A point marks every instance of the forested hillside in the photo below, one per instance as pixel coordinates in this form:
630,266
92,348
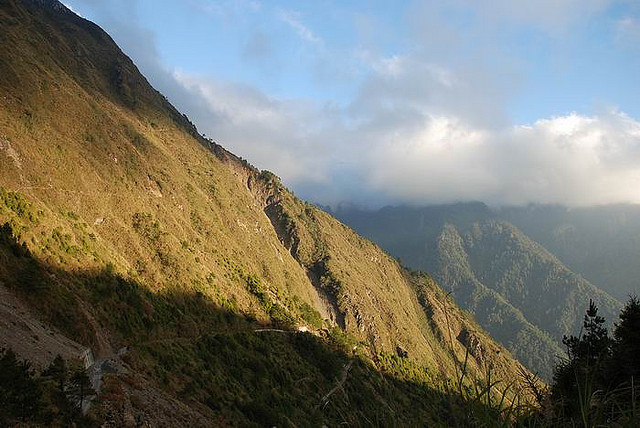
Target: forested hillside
522,294
601,243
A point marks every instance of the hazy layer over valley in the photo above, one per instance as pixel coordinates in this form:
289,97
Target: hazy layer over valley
526,274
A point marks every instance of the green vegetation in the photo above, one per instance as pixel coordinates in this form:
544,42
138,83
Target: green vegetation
209,355
596,384
20,395
271,181
146,226
49,398
600,243
15,203
519,292
9,239
278,314
310,315
63,241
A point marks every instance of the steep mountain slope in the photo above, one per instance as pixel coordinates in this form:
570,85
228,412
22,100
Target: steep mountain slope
601,243
126,230
518,291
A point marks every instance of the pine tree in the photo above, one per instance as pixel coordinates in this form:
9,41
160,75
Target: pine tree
594,344
81,386
20,393
57,370
626,348
582,372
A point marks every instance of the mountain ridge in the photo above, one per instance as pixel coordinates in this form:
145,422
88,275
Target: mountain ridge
123,227
491,269
601,243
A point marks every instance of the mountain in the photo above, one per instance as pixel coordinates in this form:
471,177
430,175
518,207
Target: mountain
196,289
601,243
516,289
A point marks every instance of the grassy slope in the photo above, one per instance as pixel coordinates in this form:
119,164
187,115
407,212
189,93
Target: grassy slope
140,232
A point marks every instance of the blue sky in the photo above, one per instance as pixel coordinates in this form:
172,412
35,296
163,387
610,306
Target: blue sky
387,102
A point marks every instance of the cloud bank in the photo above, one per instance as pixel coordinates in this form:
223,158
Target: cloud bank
419,128
405,153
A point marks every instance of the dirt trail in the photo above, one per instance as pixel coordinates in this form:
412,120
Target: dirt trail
343,378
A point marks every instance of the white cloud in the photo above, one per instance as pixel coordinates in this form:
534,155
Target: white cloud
436,161
293,20
572,159
68,6
274,134
417,130
422,157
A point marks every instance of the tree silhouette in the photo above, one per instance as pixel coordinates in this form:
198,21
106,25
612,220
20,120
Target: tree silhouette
20,394
81,386
57,371
626,347
581,373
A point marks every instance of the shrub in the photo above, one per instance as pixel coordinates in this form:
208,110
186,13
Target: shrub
16,203
280,317
146,226
310,315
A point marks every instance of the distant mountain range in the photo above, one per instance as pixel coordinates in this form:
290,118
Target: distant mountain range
524,273
600,243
